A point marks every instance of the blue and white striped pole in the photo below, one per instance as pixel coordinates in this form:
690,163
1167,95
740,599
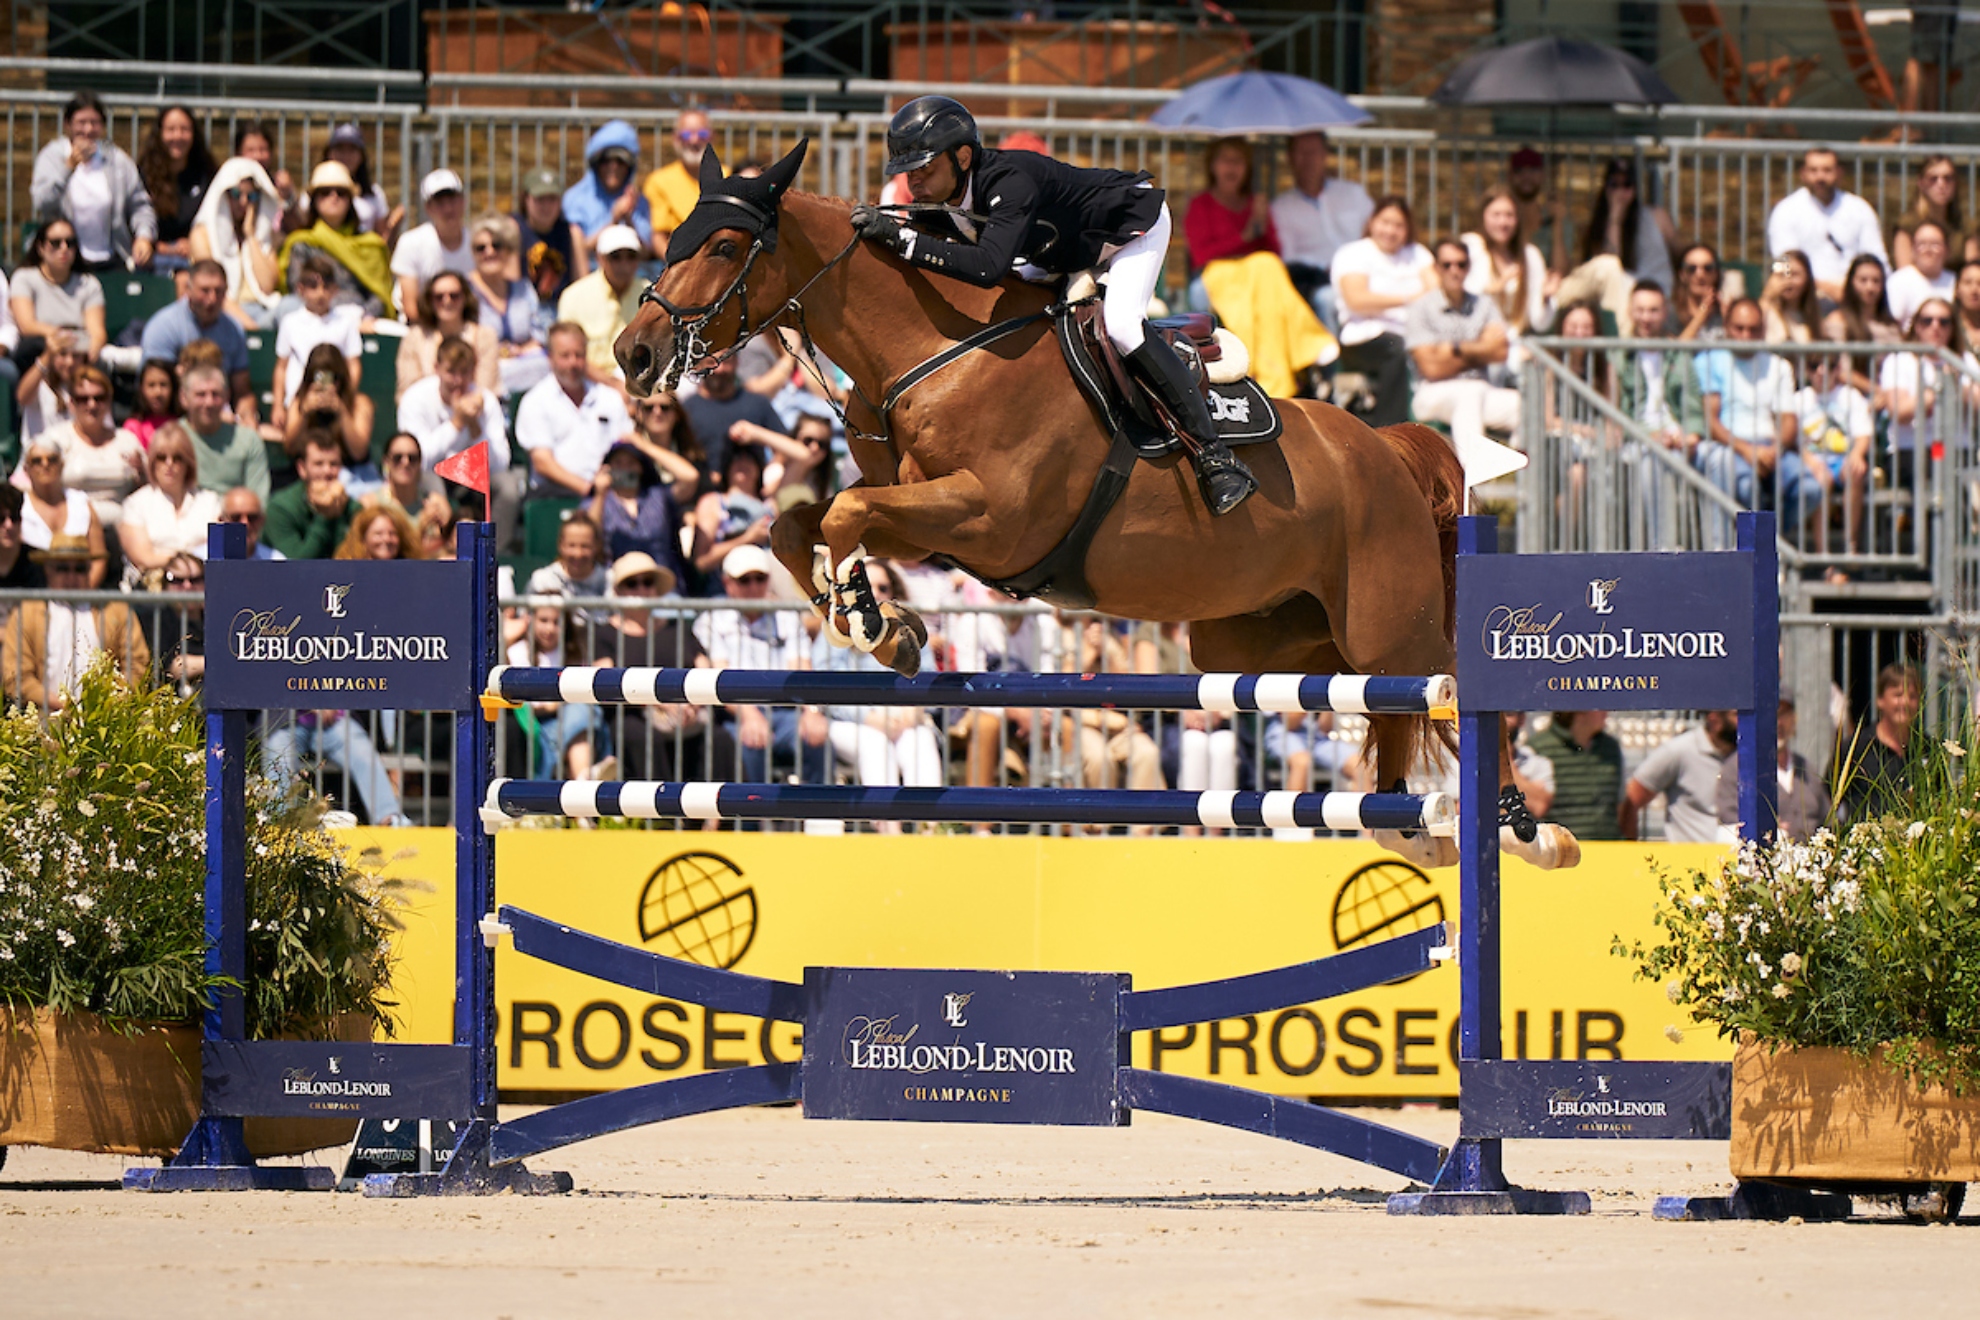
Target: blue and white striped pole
650,800
1434,695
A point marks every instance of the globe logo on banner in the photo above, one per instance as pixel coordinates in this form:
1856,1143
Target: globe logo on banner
1382,900
695,908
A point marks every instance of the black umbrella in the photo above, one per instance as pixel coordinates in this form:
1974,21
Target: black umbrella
1554,71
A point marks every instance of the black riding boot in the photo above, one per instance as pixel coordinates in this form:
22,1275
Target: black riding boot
1223,477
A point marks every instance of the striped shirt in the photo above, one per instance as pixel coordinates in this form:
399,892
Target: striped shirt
1587,781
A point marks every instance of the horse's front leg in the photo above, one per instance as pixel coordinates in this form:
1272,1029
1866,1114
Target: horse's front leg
895,522
797,540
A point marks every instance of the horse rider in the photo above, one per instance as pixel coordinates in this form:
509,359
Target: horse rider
1024,213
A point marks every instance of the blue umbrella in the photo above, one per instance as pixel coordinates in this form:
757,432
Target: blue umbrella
1240,104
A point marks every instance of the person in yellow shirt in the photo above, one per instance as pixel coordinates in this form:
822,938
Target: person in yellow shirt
605,301
673,189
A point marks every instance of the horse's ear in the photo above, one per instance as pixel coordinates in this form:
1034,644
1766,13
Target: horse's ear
784,173
711,168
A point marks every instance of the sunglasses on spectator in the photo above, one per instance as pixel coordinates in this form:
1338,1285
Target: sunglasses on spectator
244,519
1931,320
89,400
447,295
185,579
482,249
157,458
753,579
401,457
660,406
43,460
58,241
1701,268
1455,265
644,582
694,136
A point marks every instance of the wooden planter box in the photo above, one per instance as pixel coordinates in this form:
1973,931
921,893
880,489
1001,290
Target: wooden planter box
69,1082
1825,1115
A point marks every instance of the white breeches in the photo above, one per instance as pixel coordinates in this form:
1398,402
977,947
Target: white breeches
1132,274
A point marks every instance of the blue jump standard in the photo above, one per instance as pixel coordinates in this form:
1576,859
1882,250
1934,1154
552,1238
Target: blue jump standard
1224,693
652,800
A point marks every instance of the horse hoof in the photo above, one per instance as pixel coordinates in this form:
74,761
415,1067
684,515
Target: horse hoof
1426,851
905,658
908,619
1552,849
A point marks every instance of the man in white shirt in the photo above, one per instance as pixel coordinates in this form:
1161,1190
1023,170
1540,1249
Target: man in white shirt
763,639
439,244
569,421
1926,276
1750,422
448,413
1828,225
1314,218
1455,337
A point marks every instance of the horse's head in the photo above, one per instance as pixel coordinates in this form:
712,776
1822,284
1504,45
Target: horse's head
717,289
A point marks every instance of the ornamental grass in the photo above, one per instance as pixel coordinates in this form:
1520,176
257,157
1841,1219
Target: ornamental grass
103,872
1865,938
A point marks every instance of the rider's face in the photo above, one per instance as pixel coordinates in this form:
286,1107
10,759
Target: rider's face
934,182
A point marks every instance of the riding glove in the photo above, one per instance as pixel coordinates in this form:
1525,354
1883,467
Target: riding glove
874,223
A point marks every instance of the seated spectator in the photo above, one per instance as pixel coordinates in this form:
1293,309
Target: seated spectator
1927,277
380,532
1874,775
635,510
1626,240
1567,413
45,389
1315,218
1910,384
51,509
546,272
788,478
1966,308
608,195
375,212
1235,252
448,412
168,515
416,492
439,244
579,568
1698,302
1454,336
363,267
507,302
51,293
181,628
86,179
543,230
1837,430
309,519
1375,278
567,422
176,169
1791,310
243,506
605,301
1684,771
341,742
1115,750
745,638
328,400
672,190
1936,201
570,736
239,226
664,434
446,309
45,646
734,514
725,415
1588,773
254,141
1801,800
99,458
1656,388
320,320
1866,312
18,571
1831,225
1507,269
677,741
1750,422
198,315
157,400
885,745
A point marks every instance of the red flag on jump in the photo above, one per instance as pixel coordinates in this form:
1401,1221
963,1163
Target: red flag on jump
468,468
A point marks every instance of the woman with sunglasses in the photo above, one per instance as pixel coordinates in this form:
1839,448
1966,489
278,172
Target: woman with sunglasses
663,432
375,212
51,292
99,458
413,490
1936,200
176,168
1626,240
363,265
52,509
448,309
1699,301
507,302
1911,382
181,626
169,515
239,225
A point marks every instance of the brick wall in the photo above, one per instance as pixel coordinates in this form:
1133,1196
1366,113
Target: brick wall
1412,44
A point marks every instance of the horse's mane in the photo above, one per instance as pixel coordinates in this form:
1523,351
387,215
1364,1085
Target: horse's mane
844,206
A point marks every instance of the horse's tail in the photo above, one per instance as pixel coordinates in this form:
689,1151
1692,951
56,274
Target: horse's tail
1434,464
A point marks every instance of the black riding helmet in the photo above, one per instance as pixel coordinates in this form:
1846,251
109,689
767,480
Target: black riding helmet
927,127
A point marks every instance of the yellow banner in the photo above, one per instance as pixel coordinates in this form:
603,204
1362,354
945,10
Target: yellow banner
1166,911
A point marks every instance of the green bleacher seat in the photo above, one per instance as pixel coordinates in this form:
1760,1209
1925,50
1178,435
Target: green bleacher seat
134,297
261,366
542,519
380,382
1752,272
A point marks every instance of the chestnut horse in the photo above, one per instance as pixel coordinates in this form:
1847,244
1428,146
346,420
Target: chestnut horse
1343,561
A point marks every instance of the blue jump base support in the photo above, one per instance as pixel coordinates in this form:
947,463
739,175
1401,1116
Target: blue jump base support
1535,633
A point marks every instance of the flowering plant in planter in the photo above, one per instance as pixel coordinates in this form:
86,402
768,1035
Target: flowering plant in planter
102,873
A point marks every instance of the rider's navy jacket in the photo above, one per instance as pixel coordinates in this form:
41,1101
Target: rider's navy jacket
1052,215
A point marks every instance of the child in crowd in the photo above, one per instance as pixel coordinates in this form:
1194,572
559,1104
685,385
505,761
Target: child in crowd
158,400
315,322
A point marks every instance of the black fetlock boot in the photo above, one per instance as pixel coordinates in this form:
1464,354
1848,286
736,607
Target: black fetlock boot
1225,480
